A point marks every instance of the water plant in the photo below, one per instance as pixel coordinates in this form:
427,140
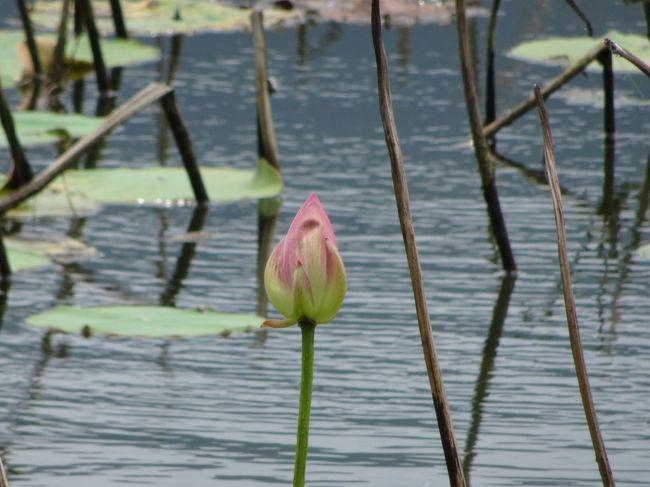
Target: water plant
305,281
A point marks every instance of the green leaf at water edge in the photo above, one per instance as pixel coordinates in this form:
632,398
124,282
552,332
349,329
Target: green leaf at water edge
644,252
566,51
35,128
161,185
116,52
157,17
143,321
83,191
33,253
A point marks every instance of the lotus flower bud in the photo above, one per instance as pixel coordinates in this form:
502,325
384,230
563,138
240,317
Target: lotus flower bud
304,276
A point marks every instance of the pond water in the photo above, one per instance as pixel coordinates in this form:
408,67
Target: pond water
222,411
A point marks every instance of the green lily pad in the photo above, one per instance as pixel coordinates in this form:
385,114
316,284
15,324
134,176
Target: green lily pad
35,128
26,254
169,185
143,321
83,191
595,97
148,18
565,51
644,251
116,52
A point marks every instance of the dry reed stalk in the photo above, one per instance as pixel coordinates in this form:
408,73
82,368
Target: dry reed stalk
569,300
481,146
29,35
447,437
267,146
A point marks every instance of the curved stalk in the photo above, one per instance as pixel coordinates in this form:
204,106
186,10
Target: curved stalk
307,329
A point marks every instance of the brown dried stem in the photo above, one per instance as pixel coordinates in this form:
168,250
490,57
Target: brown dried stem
569,300
3,476
267,145
29,35
454,468
481,146
93,37
21,171
576,8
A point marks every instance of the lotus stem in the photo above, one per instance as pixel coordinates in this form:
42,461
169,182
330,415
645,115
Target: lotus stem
304,405
569,300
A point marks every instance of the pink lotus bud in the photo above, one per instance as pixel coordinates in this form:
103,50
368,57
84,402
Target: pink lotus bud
304,276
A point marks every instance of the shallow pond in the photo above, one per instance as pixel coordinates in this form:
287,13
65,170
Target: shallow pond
221,411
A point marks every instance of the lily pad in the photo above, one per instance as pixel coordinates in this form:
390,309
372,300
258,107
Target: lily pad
169,185
35,128
644,252
116,52
25,254
565,51
143,321
595,97
148,18
85,190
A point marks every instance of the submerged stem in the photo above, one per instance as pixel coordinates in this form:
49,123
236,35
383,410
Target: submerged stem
307,328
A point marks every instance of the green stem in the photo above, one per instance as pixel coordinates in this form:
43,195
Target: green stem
304,406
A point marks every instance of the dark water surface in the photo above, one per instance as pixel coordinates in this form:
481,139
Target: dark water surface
216,411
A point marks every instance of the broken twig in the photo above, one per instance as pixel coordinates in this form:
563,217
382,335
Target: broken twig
627,55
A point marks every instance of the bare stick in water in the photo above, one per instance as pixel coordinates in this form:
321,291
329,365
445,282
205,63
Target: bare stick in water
481,146
576,8
267,145
118,20
443,416
59,50
93,37
29,35
609,123
625,54
490,85
21,171
184,144
569,301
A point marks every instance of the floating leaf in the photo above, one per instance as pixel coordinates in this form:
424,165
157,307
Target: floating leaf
28,253
82,191
644,251
46,127
595,97
165,185
116,52
144,17
143,321
565,51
